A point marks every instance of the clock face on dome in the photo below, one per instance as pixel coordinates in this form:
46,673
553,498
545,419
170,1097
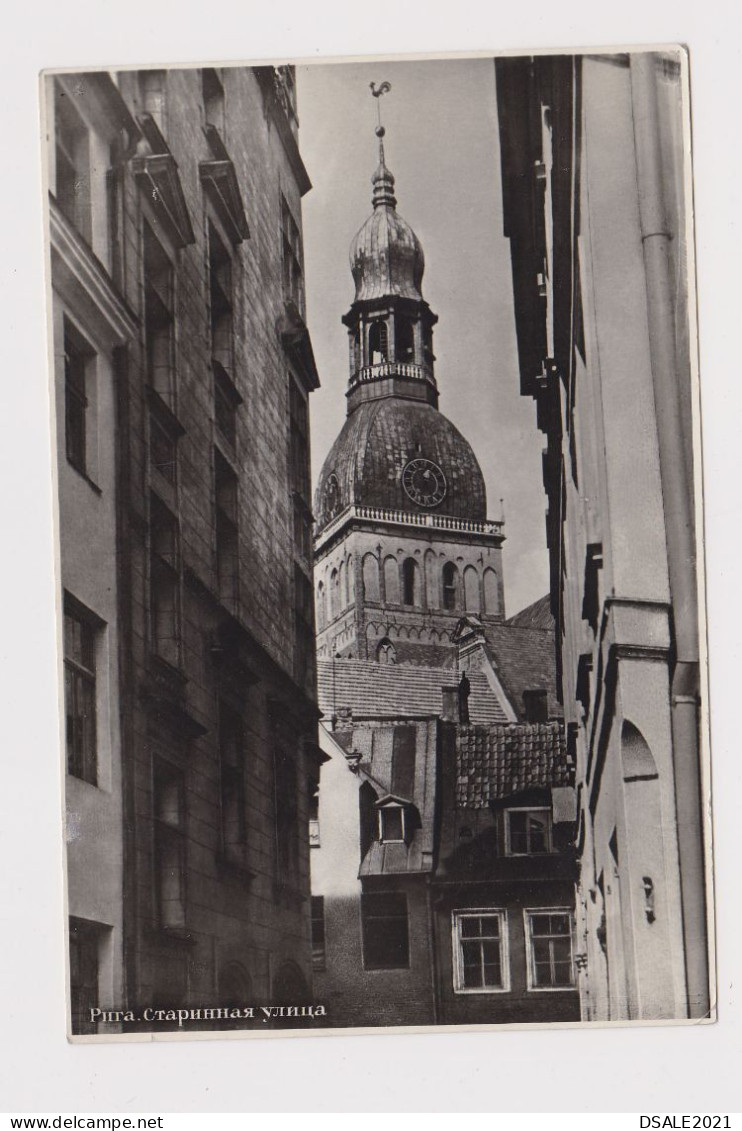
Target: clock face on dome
424,482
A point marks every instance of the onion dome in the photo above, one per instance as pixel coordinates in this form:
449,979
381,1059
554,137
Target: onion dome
386,258
400,455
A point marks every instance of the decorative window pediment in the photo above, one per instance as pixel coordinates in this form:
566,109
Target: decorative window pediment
219,178
158,178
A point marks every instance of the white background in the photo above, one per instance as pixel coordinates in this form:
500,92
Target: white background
653,1069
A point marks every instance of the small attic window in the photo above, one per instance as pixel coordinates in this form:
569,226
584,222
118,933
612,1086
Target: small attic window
392,824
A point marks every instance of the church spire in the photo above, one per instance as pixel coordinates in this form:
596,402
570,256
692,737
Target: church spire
382,180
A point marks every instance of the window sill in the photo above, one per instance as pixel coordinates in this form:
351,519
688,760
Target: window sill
481,992
84,475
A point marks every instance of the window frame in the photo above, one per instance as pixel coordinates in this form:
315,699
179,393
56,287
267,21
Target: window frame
528,912
365,917
457,916
92,625
170,834
383,810
79,372
549,830
318,927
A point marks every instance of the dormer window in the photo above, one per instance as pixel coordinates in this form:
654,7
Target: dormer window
392,824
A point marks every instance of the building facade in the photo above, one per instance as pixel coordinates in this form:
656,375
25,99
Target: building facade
595,210
183,369
421,912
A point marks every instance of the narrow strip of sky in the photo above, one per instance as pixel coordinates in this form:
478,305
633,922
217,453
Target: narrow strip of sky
441,144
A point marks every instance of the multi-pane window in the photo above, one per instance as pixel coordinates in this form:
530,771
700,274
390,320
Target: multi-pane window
480,953
318,932
83,975
232,772
80,694
291,253
164,582
72,158
528,832
78,361
550,965
220,300
227,539
299,440
169,844
159,319
386,943
314,841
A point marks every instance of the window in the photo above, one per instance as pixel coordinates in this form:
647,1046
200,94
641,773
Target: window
83,975
370,575
449,586
410,582
226,403
491,592
314,841
405,339
164,582
162,449
80,694
471,590
153,95
286,816
232,776
78,359
386,944
213,93
480,953
391,581
528,832
227,539
321,613
220,300
169,844
72,155
298,440
391,824
302,529
378,343
291,253
318,932
303,624
386,653
549,935
158,317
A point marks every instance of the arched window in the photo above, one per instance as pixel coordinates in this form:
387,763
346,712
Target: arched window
378,343
391,580
341,587
471,590
350,582
370,578
321,611
356,351
491,592
386,653
450,586
405,339
432,581
410,582
333,610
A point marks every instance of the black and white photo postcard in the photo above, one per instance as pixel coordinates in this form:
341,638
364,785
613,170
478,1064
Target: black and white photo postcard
381,604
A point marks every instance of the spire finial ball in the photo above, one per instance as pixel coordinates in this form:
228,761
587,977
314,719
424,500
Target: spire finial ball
380,131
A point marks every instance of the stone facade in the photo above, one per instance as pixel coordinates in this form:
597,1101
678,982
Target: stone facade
202,421
603,336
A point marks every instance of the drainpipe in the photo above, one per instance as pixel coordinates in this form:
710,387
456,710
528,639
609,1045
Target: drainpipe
679,527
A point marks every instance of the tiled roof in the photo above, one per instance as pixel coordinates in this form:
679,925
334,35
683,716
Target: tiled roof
394,690
524,660
499,761
537,615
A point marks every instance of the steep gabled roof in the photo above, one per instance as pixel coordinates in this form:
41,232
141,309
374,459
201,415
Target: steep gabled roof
376,690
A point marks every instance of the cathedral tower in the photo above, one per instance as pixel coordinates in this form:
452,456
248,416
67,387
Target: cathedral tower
403,545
